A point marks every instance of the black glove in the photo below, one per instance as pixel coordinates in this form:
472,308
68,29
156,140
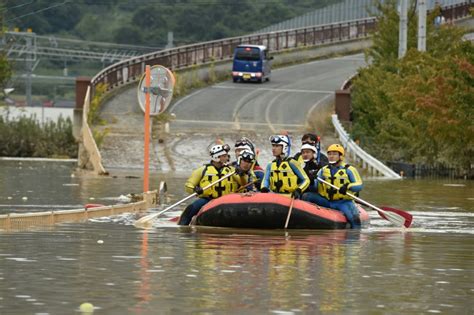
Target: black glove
198,190
343,189
296,194
264,190
240,171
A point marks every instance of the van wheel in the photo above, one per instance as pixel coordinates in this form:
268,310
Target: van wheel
259,80
235,80
268,79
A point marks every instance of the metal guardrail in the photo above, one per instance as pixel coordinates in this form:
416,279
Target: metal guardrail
357,154
222,50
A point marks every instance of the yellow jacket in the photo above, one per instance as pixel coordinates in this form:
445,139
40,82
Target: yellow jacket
208,174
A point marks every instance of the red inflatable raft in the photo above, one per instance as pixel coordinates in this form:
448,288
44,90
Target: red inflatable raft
269,211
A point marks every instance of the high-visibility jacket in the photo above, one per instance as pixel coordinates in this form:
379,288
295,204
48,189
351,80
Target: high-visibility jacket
285,176
208,174
339,175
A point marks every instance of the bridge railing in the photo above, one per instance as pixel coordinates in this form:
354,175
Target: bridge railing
221,50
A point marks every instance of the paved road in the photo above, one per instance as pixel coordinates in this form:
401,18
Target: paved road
283,103
226,111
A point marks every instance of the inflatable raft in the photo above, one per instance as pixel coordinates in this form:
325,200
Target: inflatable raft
269,211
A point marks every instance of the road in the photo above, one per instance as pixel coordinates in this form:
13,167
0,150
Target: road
227,111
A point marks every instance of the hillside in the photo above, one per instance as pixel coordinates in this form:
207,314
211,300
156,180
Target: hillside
147,22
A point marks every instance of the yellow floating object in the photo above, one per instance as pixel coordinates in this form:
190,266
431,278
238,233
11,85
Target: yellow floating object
86,308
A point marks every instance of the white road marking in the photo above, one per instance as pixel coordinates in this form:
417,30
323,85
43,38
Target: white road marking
310,112
170,109
267,112
216,122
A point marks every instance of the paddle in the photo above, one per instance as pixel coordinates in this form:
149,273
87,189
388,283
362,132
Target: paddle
289,212
247,185
397,217
143,222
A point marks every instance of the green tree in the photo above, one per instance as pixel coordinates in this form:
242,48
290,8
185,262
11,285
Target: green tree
419,108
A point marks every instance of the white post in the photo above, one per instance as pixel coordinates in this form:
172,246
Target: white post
421,25
402,44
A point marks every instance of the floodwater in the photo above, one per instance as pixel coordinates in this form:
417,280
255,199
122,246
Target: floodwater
427,269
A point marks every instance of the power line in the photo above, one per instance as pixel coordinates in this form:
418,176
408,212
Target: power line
18,6
38,11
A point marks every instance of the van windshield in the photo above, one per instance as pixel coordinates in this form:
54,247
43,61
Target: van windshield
247,53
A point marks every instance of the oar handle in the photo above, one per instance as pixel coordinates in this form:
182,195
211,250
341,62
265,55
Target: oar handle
247,185
289,212
352,196
154,215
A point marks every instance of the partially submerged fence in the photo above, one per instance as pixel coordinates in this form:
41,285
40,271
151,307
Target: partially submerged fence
23,221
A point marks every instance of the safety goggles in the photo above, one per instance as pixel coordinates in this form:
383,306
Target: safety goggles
226,147
277,140
247,156
310,142
243,143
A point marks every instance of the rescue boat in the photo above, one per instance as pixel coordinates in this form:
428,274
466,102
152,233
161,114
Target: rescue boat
270,211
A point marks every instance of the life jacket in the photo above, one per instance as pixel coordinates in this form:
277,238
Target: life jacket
210,174
340,178
282,178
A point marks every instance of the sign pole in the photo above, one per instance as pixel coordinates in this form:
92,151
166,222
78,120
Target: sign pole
146,160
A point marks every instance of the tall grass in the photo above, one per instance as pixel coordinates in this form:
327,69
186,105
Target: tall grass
26,137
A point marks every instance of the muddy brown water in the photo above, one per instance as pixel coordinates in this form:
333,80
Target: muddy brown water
426,269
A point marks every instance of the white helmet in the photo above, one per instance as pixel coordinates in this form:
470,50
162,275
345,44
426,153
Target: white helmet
283,141
246,155
217,151
308,146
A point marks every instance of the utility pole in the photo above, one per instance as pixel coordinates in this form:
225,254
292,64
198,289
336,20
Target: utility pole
421,25
170,41
29,68
403,30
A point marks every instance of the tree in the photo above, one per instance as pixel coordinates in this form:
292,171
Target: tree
417,109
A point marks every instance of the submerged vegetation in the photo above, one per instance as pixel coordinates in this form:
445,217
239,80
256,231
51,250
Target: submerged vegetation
26,137
418,109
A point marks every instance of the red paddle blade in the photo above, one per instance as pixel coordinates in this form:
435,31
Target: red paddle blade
175,219
408,217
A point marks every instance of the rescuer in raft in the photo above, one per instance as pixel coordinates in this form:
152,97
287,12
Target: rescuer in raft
310,164
343,176
246,144
313,140
209,173
284,175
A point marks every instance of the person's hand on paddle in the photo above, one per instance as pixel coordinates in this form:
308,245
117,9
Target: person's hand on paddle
343,188
198,190
264,190
239,171
296,194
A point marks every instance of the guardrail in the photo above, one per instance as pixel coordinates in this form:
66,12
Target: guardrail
357,154
129,71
